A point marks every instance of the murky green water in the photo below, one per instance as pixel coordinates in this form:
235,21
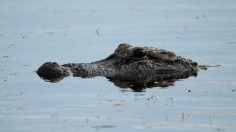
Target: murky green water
33,32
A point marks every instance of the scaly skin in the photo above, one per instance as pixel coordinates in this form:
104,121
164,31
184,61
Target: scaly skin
126,63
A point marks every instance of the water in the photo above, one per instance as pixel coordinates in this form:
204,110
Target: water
33,32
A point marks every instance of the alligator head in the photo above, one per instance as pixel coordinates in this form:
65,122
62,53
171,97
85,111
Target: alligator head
128,66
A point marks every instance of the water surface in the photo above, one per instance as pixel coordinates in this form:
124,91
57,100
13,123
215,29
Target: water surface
33,32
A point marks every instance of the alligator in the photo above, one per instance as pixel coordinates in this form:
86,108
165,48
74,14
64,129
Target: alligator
128,67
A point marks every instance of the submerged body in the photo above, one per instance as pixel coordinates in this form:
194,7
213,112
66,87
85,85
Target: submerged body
127,62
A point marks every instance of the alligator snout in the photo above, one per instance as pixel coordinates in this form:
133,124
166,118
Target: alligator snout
52,71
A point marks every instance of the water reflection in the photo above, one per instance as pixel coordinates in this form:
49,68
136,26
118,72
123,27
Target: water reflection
141,82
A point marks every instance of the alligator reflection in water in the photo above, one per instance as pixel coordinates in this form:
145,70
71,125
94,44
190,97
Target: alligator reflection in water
128,67
139,82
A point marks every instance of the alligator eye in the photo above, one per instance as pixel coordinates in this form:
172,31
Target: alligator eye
139,53
54,64
194,63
